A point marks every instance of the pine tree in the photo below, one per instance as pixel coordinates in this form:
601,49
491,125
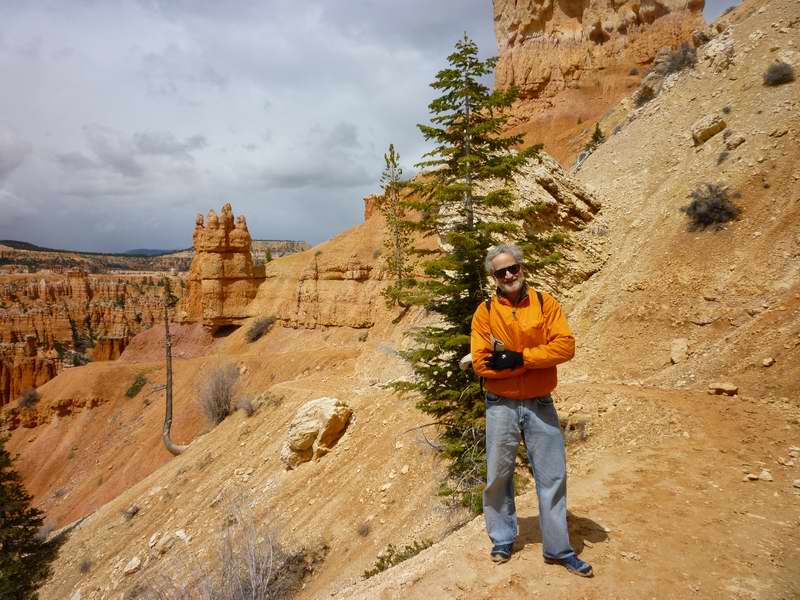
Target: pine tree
457,205
398,240
24,557
597,136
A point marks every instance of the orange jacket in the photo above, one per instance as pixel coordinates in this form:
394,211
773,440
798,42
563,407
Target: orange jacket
543,337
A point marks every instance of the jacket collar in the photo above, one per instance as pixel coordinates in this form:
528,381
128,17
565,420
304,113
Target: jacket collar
523,294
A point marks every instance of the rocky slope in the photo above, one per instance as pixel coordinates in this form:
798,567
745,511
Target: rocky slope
573,60
335,337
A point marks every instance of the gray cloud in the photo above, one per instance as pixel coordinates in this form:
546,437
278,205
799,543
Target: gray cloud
13,152
113,151
75,161
166,144
342,136
144,112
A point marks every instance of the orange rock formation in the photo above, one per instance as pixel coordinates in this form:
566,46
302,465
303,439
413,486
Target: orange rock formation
573,59
38,312
222,279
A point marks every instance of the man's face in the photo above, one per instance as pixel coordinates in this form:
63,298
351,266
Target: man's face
509,283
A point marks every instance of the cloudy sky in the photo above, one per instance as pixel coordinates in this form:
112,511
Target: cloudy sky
121,119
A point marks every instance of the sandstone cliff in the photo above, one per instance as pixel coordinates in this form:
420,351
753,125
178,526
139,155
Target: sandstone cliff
573,59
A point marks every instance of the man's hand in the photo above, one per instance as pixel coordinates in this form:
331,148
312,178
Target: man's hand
505,359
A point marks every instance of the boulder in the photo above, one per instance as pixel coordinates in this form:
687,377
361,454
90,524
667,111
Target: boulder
707,127
315,429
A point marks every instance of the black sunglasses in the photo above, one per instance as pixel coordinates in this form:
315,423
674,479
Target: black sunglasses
501,273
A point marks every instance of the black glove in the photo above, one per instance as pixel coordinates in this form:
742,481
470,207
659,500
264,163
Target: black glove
505,359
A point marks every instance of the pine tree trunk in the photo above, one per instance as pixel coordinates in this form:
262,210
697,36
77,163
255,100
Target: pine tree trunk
467,174
398,258
165,434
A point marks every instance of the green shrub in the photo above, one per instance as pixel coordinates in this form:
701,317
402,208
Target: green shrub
28,398
136,386
710,207
778,73
393,556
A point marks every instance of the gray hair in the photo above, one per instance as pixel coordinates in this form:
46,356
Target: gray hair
495,251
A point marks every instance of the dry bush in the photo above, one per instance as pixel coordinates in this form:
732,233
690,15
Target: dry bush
710,207
259,328
778,73
28,398
249,564
215,395
364,529
683,57
643,96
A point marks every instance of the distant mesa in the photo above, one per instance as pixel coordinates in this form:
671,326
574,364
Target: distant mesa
222,280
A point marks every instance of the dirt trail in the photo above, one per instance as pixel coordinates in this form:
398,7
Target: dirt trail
670,518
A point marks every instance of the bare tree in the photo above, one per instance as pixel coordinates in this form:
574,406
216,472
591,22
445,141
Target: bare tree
169,300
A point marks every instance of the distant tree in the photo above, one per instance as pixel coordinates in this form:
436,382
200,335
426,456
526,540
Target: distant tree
24,557
398,241
597,136
268,257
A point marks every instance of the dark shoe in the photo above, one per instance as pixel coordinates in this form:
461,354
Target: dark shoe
573,564
501,552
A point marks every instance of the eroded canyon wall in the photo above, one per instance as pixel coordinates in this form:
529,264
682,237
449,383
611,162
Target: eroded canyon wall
43,316
573,59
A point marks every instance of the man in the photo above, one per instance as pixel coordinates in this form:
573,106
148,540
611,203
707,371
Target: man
518,338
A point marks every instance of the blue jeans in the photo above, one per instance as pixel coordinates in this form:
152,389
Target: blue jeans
507,422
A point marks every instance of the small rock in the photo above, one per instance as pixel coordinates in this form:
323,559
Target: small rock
726,388
404,470
796,483
181,534
76,595
734,142
153,539
131,512
385,487
630,556
750,477
679,350
133,565
165,543
707,127
768,362
765,475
